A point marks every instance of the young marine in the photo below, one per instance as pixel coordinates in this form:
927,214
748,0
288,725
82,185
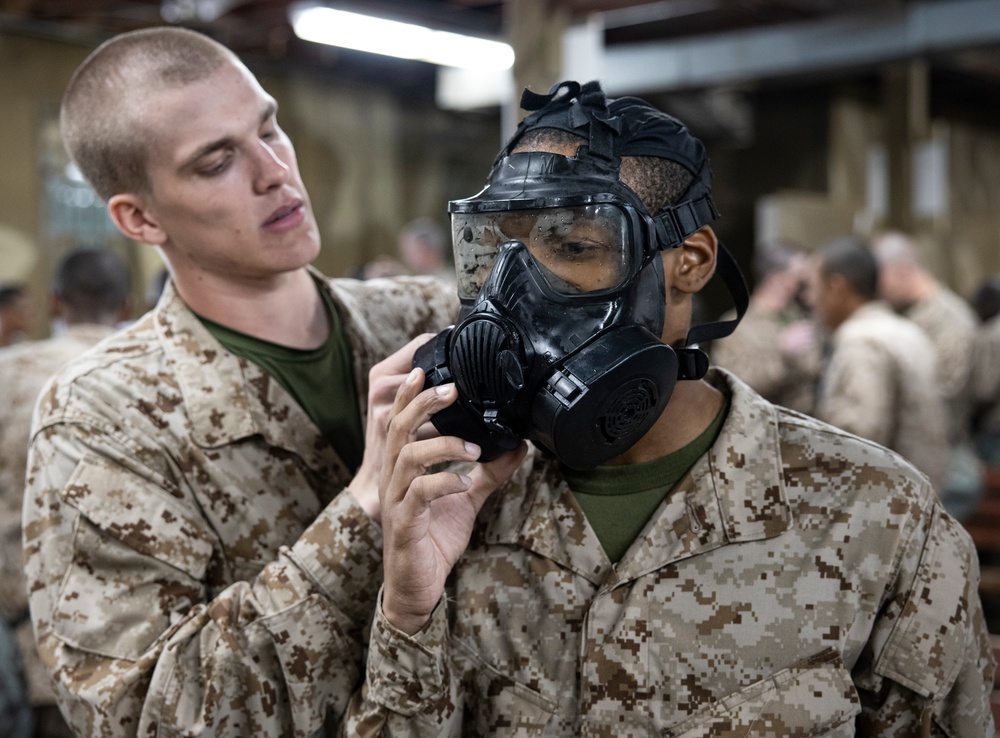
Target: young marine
673,558
201,539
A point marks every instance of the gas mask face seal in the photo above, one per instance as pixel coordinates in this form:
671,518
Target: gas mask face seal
561,282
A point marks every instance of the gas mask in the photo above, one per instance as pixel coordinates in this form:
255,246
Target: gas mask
560,277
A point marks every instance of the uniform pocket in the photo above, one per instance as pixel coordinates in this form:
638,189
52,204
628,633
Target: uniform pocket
497,705
814,697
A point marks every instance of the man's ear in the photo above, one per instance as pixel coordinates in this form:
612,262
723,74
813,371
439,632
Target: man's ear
693,262
135,220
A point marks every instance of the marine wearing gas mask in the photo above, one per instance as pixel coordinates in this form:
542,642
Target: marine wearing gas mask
560,278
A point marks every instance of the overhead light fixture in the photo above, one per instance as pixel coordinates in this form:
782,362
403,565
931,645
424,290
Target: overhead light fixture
325,25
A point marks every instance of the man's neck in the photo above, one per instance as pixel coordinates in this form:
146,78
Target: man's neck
692,408
286,309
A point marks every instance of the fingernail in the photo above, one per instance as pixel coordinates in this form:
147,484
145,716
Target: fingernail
444,389
412,376
466,479
472,448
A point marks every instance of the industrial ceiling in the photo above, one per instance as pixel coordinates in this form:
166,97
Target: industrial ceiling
810,32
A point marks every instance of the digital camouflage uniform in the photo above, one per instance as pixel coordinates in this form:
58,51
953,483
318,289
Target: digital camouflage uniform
25,368
753,353
879,384
950,323
194,564
799,581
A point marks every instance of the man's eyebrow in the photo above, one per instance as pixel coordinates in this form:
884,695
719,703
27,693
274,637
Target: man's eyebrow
266,114
269,112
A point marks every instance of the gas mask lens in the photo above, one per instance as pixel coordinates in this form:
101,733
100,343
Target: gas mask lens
580,250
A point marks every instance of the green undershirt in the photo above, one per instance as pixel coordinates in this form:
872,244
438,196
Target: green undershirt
619,500
321,379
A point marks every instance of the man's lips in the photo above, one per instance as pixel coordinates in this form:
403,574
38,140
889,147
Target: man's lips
284,214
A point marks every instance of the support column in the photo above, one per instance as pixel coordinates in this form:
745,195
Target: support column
535,30
906,117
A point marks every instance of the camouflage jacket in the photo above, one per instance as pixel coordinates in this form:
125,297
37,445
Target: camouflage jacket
25,368
193,567
951,324
799,581
879,384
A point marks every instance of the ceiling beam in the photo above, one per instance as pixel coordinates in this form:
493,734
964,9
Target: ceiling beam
846,41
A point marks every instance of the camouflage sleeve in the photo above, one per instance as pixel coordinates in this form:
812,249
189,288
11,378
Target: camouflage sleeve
857,393
929,667
956,354
137,641
950,324
410,688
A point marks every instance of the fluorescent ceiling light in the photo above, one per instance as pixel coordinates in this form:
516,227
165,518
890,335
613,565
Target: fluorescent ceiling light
404,40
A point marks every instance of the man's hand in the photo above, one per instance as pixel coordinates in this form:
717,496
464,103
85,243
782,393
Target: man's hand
384,381
427,518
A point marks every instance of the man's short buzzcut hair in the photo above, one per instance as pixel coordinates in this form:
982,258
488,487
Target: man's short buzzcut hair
100,116
852,258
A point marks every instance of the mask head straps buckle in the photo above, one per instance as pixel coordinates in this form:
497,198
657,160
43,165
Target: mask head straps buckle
571,107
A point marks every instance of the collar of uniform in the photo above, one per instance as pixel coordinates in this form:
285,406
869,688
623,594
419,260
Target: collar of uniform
733,493
744,469
229,398
867,311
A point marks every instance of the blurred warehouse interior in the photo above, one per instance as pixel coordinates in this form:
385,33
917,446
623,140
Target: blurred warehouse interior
821,116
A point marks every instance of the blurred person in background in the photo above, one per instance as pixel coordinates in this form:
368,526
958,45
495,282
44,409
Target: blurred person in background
91,294
776,350
379,268
879,381
986,374
423,249
910,289
15,708
17,313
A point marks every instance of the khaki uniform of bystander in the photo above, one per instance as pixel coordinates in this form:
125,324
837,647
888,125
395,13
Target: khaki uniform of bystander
25,368
756,354
880,384
191,555
950,323
798,581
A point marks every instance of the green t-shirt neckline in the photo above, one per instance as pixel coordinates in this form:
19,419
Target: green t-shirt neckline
619,500
321,379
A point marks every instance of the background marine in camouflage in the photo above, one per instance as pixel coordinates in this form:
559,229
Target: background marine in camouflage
879,381
91,296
